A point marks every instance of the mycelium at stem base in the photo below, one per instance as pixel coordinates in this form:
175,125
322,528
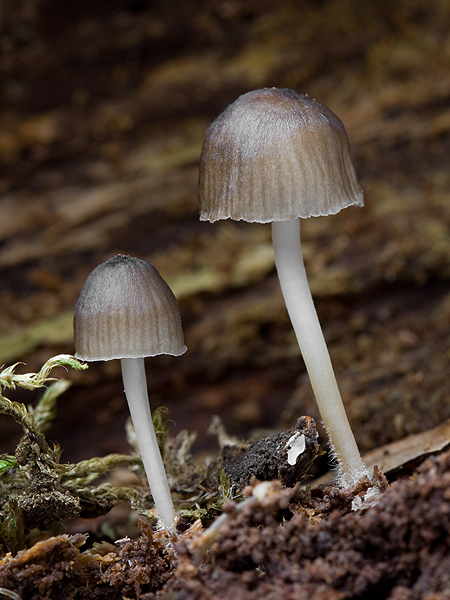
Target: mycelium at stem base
135,384
303,315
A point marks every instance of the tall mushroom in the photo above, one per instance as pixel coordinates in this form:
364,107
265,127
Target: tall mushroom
275,155
127,311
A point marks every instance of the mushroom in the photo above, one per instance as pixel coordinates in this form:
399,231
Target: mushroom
275,155
127,311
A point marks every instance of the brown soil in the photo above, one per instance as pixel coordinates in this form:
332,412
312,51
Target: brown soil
396,549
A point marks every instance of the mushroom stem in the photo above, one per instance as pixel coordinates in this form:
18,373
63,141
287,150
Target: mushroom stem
303,315
135,384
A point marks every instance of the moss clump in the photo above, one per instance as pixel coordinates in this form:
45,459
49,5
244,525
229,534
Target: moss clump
37,490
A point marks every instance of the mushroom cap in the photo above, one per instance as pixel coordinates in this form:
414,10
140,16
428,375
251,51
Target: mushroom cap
273,155
126,310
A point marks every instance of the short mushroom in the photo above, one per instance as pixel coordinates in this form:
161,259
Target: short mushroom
275,155
127,311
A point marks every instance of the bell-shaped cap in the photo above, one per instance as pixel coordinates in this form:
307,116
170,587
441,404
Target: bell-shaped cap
126,310
274,155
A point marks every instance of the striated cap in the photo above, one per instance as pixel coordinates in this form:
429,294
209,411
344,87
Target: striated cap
126,310
274,155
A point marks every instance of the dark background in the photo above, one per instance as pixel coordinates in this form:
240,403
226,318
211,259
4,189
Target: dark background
103,107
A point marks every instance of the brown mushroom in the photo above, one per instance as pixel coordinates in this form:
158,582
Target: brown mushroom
127,311
275,155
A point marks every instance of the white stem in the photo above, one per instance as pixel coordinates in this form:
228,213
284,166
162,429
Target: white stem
135,384
303,315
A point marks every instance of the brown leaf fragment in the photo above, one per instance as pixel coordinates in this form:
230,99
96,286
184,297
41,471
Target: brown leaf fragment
402,455
410,450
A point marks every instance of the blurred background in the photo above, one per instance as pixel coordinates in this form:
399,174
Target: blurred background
103,108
